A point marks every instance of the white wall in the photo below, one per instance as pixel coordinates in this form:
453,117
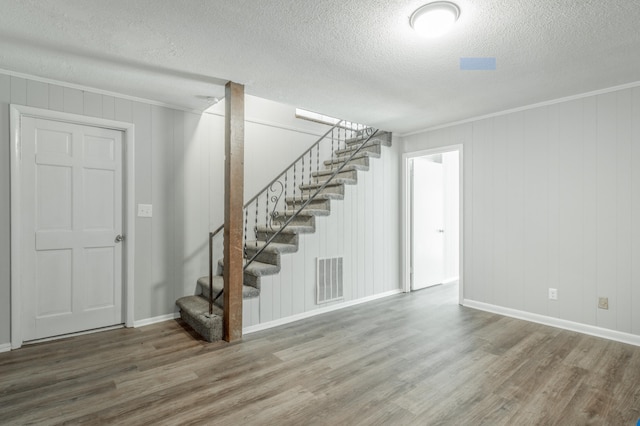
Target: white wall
180,170
552,199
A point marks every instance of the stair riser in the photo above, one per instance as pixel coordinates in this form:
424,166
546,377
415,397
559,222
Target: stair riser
247,279
283,238
381,138
299,220
329,189
363,161
348,174
252,280
211,333
204,292
314,204
196,314
264,257
376,149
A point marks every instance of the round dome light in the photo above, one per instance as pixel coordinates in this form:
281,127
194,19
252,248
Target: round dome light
435,19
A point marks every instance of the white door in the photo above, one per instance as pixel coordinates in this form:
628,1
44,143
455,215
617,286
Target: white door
428,223
71,213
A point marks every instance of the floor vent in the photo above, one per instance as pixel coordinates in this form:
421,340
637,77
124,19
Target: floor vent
329,280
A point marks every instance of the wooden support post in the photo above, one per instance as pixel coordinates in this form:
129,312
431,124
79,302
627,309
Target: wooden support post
233,210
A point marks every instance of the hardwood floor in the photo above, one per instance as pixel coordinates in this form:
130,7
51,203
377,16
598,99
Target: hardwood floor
409,359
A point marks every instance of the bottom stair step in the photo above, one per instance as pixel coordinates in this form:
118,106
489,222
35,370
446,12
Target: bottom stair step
194,310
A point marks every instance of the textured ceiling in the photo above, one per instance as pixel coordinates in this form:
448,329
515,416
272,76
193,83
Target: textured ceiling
356,59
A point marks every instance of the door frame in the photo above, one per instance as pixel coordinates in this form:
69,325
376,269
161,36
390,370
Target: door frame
406,214
128,217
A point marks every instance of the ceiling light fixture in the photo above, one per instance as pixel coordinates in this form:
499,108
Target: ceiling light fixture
435,19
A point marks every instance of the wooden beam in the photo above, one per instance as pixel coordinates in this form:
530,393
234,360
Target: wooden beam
233,210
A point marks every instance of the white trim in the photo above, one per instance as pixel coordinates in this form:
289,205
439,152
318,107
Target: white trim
526,107
97,91
155,320
591,330
79,333
5,347
128,129
319,311
406,212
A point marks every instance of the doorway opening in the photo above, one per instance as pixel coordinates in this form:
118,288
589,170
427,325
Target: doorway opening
433,219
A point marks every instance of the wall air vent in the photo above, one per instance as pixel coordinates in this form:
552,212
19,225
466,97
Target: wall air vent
329,280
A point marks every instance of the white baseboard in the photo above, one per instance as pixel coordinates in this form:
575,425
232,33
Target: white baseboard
591,330
5,347
154,320
319,311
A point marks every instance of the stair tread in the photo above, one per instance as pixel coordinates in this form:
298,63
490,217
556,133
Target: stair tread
248,292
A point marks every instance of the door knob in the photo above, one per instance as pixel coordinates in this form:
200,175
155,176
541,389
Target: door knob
441,231
119,238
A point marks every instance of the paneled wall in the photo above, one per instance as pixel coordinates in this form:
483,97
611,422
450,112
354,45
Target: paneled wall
179,160
552,199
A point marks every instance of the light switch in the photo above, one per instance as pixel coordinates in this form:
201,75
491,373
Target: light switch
145,210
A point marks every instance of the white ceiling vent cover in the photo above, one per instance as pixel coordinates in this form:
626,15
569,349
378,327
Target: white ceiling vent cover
329,280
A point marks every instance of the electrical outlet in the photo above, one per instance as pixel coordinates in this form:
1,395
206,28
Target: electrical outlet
553,294
603,303
145,210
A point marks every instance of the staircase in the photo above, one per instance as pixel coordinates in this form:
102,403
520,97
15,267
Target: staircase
291,204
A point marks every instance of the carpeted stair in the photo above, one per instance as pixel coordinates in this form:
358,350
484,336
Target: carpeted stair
194,310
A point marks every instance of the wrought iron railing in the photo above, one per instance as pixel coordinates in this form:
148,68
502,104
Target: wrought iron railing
282,200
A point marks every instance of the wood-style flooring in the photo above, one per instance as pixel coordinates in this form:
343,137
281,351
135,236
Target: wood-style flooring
414,358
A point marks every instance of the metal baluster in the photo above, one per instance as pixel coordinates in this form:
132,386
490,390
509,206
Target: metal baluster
317,162
294,186
286,175
302,178
332,142
344,135
310,155
256,220
246,224
354,134
346,124
266,210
